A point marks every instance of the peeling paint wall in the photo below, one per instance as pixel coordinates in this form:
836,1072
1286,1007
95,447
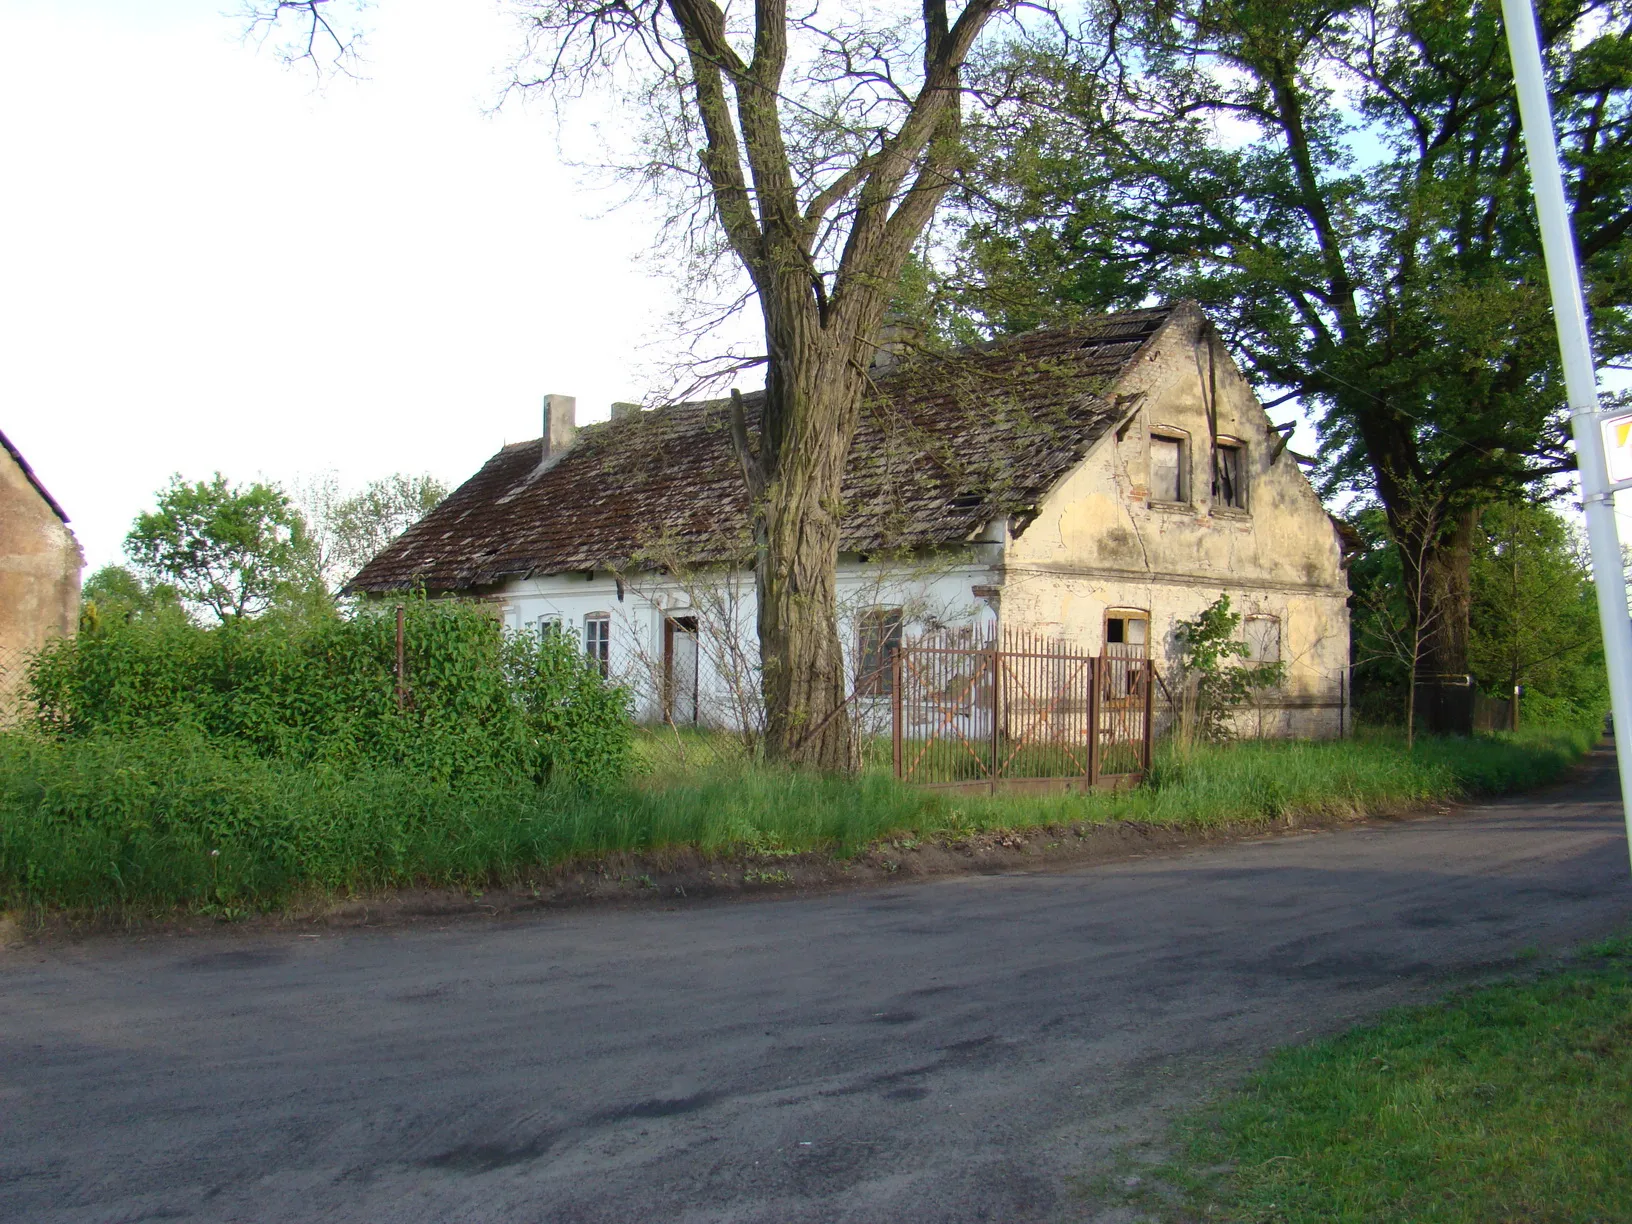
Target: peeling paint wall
1102,541
40,562
930,592
1099,541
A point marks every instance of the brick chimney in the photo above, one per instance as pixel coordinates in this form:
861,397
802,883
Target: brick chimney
560,425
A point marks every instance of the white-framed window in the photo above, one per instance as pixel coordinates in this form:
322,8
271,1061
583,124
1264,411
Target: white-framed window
1167,461
1230,474
1263,638
598,641
878,637
550,625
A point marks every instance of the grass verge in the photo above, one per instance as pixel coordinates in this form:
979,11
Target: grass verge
156,821
1510,1103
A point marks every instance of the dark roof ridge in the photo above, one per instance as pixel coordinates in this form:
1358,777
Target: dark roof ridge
33,479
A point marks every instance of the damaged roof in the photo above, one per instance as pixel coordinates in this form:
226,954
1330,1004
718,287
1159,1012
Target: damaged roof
946,443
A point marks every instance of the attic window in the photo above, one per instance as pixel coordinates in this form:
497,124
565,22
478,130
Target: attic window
967,501
1166,468
1228,490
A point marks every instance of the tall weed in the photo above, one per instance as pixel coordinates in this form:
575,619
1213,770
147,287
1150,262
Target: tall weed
158,818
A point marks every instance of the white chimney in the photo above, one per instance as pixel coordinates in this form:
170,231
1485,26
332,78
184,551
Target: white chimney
560,424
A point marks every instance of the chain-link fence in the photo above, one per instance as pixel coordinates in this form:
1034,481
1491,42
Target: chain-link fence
13,684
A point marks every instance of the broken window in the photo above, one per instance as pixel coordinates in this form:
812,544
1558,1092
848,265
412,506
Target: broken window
878,634
598,641
1166,468
1263,634
1127,628
1228,491
1127,644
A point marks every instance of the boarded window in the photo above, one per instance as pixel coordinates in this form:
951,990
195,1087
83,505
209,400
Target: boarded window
1263,639
878,634
1166,469
1228,490
598,641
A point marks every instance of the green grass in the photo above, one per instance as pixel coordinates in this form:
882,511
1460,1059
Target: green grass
1512,1103
154,821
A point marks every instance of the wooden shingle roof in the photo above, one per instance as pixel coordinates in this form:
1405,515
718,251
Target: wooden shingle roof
945,444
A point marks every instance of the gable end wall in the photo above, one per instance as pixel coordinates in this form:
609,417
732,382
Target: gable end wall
1099,542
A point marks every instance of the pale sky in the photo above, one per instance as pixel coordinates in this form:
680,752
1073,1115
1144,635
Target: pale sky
208,263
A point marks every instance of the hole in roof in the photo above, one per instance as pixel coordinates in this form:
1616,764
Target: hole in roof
966,501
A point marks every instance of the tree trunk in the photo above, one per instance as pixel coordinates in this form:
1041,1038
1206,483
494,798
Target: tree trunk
1445,598
813,392
1438,561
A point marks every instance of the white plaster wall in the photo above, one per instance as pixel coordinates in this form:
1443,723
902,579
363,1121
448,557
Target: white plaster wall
931,592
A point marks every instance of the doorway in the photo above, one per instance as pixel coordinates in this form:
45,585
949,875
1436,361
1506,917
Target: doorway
680,670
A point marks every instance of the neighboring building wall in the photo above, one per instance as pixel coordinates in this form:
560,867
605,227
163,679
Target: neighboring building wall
40,563
1103,541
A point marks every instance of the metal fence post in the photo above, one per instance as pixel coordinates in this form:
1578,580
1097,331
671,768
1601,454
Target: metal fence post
1095,678
1150,711
997,698
402,660
895,709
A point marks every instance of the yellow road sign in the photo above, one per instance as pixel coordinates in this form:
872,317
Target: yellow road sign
1618,448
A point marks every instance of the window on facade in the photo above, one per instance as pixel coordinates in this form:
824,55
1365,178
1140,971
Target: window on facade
1128,629
549,626
878,632
1263,634
1127,643
1228,491
1166,468
598,641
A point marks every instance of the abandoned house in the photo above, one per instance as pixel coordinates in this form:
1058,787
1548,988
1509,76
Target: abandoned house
1092,484
40,563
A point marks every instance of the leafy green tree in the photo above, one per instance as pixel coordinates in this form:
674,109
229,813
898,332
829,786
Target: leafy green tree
115,594
230,550
1342,184
1212,677
346,532
1535,615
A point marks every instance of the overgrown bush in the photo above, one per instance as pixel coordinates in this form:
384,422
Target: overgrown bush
322,690
161,818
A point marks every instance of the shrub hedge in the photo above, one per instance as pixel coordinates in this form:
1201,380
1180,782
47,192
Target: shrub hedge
322,690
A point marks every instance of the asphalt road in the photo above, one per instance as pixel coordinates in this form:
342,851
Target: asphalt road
958,1050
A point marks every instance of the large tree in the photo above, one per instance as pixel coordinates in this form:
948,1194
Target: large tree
1342,184
229,550
817,144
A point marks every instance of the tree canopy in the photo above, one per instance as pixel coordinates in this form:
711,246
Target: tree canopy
227,550
1342,185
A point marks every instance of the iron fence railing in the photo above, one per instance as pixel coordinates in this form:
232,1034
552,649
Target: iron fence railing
1019,709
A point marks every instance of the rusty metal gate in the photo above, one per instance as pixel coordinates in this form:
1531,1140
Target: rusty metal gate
1019,711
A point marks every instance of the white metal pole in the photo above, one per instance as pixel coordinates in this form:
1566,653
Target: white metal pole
1580,375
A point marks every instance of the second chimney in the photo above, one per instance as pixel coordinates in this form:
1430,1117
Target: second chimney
560,424
622,411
